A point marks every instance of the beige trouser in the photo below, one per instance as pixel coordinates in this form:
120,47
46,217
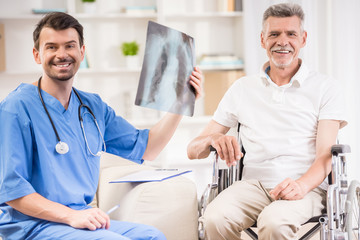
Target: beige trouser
240,205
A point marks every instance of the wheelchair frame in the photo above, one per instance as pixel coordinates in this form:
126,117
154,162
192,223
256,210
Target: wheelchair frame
341,221
342,218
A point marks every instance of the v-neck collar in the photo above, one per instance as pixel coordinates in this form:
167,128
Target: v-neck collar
53,103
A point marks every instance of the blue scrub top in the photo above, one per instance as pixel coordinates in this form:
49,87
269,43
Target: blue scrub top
29,162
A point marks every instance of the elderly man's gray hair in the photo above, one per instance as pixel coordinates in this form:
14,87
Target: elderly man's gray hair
284,10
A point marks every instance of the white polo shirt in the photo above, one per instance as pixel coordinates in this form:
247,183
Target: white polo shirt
279,123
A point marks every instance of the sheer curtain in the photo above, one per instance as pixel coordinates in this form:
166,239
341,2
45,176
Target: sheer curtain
333,48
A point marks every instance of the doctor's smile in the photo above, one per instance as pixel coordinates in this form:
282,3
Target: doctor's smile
62,65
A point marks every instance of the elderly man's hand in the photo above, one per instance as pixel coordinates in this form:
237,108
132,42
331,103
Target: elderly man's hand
227,147
289,189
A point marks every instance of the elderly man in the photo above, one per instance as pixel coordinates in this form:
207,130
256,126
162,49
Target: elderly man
290,117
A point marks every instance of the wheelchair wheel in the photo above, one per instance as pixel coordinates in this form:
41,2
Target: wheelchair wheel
353,211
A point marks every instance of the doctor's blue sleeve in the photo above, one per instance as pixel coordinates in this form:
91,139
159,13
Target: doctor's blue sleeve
16,151
123,139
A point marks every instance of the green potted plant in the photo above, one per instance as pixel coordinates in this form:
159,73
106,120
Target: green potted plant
130,48
130,51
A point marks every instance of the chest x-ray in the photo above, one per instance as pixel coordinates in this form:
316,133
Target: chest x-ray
168,62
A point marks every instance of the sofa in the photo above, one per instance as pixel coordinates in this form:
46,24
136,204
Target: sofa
170,205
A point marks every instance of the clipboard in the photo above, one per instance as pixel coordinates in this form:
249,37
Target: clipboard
153,175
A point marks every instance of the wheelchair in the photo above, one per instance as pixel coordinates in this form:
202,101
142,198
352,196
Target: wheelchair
340,220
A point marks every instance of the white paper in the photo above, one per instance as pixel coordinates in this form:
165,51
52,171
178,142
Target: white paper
153,175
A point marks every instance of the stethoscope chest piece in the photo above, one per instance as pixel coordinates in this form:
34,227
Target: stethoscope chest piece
61,148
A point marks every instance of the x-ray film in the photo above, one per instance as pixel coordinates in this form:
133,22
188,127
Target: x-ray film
168,62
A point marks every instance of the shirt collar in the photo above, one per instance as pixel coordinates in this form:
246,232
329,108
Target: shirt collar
296,80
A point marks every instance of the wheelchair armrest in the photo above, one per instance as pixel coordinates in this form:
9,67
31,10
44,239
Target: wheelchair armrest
340,148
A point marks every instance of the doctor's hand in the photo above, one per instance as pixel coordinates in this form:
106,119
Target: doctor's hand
289,189
227,147
91,219
196,80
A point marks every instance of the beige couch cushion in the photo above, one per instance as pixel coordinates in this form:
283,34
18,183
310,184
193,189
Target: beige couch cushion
170,205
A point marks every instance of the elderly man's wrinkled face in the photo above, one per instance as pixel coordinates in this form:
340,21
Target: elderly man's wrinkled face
282,37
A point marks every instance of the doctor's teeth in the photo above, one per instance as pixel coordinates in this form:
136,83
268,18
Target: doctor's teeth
64,65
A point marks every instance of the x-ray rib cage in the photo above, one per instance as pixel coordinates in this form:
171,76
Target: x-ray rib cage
168,62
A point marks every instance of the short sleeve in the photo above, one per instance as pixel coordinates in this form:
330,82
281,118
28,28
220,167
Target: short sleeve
123,139
226,112
332,104
15,157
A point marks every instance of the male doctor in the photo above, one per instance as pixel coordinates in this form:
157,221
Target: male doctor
45,190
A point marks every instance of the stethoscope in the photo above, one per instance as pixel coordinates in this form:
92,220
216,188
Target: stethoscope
62,147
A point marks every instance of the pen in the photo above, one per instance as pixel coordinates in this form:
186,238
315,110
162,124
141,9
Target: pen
166,169
113,209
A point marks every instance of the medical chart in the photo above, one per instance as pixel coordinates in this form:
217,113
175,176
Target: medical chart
151,175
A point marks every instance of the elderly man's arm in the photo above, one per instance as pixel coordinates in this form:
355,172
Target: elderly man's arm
291,189
214,134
